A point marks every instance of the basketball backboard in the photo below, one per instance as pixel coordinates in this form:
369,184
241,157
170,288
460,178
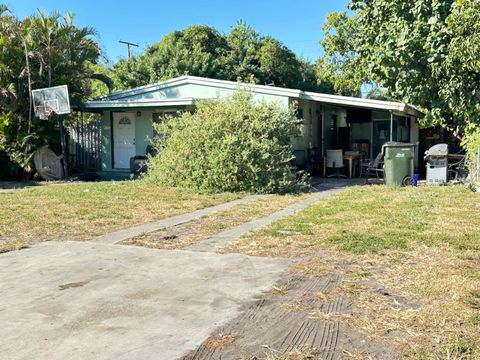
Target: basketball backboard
51,100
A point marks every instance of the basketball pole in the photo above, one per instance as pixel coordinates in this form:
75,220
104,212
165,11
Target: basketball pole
64,145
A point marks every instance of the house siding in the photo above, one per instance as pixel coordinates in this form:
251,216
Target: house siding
203,92
313,111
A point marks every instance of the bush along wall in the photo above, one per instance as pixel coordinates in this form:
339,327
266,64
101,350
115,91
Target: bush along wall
232,144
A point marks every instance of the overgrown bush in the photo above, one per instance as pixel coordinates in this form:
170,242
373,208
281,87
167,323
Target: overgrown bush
471,143
233,144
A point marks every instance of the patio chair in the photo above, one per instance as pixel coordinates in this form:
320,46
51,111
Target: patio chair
457,171
374,166
335,161
315,160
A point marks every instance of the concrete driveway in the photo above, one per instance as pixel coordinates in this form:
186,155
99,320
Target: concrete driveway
72,300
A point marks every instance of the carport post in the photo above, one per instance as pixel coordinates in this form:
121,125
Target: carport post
64,145
391,125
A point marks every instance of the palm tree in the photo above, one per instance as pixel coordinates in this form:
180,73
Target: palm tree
39,51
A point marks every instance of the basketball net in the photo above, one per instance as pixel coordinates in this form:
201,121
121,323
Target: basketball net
43,111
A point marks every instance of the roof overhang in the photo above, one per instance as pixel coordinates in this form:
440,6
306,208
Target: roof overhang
98,105
120,100
398,108
221,84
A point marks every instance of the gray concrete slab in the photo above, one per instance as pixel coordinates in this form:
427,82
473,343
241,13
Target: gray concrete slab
128,233
71,300
226,237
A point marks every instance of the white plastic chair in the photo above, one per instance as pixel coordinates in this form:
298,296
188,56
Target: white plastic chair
335,161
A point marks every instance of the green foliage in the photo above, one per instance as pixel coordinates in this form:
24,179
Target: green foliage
39,51
424,52
471,143
341,65
200,50
232,144
193,51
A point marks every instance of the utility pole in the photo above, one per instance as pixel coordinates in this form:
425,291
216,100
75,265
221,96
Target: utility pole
128,47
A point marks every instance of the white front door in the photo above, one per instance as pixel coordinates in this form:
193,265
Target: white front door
123,139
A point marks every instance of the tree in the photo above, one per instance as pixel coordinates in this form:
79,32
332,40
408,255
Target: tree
200,50
241,60
39,51
192,51
341,64
130,73
424,52
196,51
278,64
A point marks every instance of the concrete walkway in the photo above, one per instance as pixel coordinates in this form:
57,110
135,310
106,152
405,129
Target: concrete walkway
79,300
131,232
226,237
98,300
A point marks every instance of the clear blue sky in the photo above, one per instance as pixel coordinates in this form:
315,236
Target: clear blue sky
296,23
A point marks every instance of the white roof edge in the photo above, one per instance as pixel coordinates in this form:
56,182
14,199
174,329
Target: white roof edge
137,103
363,103
139,89
264,89
354,101
201,81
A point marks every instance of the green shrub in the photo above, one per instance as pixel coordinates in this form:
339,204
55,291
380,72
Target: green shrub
471,143
232,144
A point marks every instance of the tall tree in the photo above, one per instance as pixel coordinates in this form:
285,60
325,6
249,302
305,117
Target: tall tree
201,50
341,64
241,60
424,52
196,51
193,51
278,64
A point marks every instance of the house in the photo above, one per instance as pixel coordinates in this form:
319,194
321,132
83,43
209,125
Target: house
328,121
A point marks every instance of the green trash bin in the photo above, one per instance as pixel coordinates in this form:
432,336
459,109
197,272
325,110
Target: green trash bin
398,163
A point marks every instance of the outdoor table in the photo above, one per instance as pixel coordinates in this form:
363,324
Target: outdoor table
351,158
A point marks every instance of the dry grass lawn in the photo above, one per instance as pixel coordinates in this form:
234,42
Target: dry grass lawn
409,259
79,211
180,236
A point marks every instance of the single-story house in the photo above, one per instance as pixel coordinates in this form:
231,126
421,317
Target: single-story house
328,121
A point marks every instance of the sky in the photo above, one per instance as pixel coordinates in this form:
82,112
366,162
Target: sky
296,23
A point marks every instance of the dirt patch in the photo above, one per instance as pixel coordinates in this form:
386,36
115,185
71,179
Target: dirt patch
7,245
303,317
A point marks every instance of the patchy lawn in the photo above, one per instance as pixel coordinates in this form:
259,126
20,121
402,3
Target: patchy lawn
79,211
408,259
177,237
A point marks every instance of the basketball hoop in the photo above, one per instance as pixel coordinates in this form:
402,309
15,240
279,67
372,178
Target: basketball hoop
53,100
44,111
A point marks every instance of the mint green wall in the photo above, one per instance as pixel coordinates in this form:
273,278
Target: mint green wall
143,131
202,92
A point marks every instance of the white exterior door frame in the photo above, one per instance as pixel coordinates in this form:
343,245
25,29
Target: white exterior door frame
123,139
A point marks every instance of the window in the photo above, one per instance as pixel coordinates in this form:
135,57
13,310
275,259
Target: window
403,132
124,121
